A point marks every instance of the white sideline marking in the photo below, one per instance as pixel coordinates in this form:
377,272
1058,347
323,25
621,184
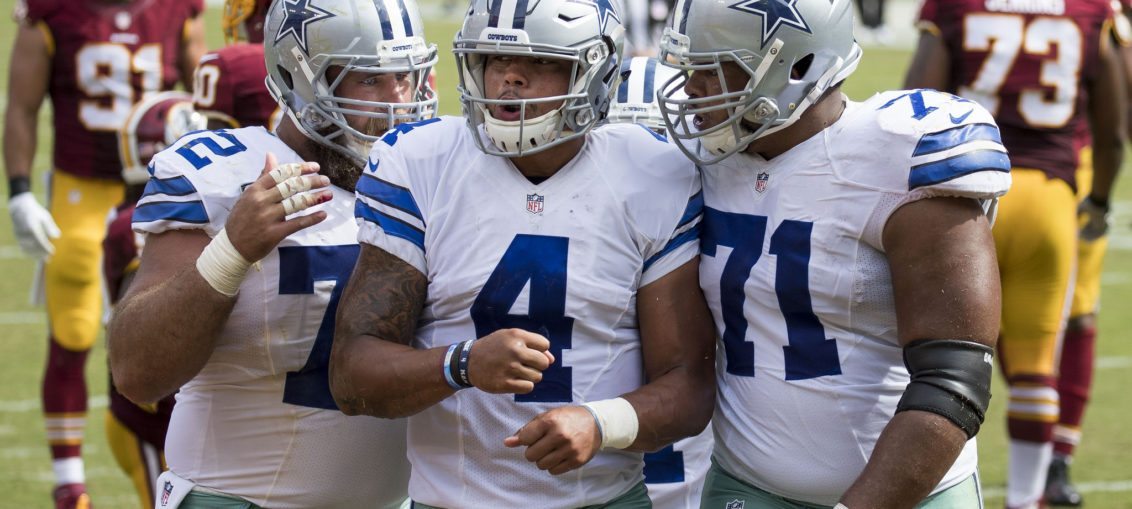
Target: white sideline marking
23,318
33,405
11,252
1113,362
1115,278
1083,487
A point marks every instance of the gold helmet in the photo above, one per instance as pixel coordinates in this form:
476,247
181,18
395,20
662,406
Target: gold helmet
243,20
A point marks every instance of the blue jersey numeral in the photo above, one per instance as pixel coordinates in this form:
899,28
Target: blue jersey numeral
723,229
541,261
809,353
664,466
299,268
198,161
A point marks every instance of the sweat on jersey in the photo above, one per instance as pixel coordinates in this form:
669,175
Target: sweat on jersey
563,258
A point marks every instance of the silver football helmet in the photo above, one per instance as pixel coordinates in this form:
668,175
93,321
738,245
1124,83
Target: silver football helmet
767,39
641,82
586,32
303,39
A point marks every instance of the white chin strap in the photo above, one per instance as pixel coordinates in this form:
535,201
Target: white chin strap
360,147
520,136
723,141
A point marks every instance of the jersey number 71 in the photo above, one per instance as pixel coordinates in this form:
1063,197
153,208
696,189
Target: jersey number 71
809,353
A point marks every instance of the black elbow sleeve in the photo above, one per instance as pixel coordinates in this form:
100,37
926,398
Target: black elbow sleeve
950,378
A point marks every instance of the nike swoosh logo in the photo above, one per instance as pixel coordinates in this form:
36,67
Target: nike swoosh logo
960,118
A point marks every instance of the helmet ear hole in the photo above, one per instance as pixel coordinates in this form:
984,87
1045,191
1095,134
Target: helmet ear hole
801,67
286,75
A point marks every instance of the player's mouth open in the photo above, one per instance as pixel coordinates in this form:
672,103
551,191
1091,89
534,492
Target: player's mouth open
508,112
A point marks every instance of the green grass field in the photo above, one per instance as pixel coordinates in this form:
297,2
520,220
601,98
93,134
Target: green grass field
1103,467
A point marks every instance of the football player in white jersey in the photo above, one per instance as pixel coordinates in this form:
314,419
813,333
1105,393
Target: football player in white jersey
847,259
235,297
528,295
674,475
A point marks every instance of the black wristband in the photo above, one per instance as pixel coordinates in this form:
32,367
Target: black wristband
458,366
462,364
18,185
1099,203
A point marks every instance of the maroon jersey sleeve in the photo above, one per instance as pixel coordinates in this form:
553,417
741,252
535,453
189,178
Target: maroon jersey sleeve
31,12
1032,70
229,84
929,11
120,251
107,56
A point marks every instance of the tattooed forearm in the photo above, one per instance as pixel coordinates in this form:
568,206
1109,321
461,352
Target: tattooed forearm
373,368
383,299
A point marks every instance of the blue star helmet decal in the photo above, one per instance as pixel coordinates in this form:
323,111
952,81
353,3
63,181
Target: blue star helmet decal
775,13
605,11
297,15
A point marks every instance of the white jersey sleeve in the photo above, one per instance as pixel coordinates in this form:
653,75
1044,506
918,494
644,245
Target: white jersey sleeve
195,182
665,199
936,145
391,201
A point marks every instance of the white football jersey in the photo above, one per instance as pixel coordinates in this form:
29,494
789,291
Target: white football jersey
258,421
796,277
675,475
563,258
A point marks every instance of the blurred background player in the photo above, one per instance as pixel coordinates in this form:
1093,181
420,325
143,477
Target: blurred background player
871,13
1041,74
136,433
228,85
675,474
1075,376
644,21
95,59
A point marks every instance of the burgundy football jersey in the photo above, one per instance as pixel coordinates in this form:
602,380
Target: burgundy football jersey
1030,64
120,252
229,84
106,56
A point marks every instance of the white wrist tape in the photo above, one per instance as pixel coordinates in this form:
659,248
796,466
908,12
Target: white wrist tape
840,506
616,420
222,266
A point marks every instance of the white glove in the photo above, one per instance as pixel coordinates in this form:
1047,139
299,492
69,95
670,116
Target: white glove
33,225
1093,220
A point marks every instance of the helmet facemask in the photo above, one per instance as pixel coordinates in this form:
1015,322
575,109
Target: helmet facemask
785,76
526,136
324,120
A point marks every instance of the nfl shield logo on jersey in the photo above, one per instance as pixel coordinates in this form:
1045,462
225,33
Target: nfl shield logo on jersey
534,203
760,185
736,504
165,492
